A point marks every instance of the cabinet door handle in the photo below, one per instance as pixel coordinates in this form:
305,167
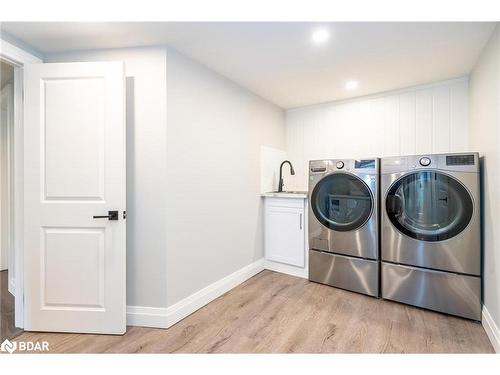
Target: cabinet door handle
300,222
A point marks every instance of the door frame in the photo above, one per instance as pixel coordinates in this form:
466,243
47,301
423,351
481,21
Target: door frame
18,57
7,94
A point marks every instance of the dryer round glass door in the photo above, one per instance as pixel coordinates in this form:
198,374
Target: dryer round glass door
341,202
429,206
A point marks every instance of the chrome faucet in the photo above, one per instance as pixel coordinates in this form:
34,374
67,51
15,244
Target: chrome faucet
280,185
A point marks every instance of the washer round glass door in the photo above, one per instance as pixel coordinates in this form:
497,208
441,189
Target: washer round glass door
429,206
341,202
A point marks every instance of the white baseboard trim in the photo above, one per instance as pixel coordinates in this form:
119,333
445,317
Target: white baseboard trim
142,316
491,329
189,305
11,287
286,268
166,317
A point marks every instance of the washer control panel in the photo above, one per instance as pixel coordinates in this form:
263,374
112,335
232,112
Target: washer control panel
365,166
425,161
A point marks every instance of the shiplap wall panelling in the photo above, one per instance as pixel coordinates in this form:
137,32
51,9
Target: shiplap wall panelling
459,115
375,136
364,127
391,126
425,119
441,126
407,123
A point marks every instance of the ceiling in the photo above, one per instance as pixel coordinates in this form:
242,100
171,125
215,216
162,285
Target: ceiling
278,61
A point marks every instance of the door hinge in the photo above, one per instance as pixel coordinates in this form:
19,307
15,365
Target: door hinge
124,214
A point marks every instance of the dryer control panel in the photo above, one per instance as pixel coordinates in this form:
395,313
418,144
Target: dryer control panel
457,162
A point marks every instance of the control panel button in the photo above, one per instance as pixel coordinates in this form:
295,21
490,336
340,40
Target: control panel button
340,165
425,161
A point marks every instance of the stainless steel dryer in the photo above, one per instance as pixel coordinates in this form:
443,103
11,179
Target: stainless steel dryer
343,224
430,232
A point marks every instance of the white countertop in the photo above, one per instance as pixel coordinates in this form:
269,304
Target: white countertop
286,194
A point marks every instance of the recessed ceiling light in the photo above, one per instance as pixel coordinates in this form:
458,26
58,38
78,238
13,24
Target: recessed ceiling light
351,85
320,36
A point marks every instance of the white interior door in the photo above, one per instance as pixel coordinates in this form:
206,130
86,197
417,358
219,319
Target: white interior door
74,170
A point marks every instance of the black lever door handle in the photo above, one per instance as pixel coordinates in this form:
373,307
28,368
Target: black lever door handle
112,215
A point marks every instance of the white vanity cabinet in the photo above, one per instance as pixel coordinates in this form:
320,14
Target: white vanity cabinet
285,233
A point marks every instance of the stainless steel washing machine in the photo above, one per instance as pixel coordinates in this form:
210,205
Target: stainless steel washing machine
430,232
343,224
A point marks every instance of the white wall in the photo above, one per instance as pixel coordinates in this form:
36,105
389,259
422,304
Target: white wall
214,212
146,168
193,183
484,136
424,119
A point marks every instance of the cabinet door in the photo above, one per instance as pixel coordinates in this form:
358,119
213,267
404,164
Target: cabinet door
285,235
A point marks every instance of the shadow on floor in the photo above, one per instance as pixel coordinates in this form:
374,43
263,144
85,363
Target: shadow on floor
7,328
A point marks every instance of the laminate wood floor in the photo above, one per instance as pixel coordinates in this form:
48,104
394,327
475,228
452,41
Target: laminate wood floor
277,313
7,328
